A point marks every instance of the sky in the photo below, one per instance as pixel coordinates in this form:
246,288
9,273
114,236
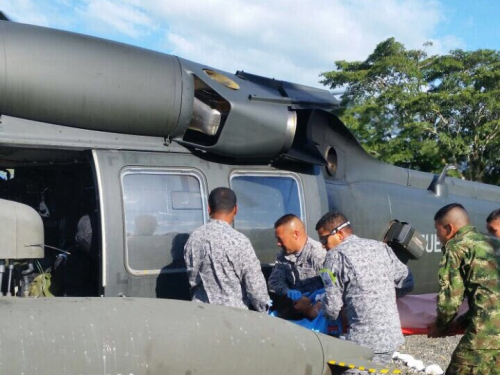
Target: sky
292,40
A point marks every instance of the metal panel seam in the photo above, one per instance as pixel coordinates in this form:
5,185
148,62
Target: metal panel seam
103,221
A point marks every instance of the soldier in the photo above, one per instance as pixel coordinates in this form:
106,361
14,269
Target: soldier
493,223
299,261
468,268
222,266
362,276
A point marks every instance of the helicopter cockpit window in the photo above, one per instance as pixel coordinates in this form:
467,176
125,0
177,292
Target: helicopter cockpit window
262,199
161,210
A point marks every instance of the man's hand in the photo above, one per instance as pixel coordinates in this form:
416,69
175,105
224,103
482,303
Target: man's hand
302,303
456,327
293,294
434,331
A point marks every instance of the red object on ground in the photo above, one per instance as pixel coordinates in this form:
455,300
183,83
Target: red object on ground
418,311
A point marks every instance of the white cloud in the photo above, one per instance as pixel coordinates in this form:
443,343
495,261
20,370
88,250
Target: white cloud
124,18
293,40
28,11
445,44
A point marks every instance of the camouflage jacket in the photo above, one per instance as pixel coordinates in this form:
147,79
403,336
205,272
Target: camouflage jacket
366,274
223,268
469,268
298,271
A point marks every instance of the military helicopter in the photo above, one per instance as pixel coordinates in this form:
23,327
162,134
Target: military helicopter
134,140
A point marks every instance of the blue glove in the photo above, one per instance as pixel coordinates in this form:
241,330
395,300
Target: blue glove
293,294
316,292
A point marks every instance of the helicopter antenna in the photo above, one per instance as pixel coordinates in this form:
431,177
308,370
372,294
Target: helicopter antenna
437,185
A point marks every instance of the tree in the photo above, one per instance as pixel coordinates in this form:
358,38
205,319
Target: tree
423,112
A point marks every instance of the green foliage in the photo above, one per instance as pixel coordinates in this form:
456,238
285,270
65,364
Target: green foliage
423,112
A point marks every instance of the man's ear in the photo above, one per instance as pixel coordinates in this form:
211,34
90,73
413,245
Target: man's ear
451,229
209,211
235,209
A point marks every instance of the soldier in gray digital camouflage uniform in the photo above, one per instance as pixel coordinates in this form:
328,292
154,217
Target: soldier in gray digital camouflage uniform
362,277
222,266
299,261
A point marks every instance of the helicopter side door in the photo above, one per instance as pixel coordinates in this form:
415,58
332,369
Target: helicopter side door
150,202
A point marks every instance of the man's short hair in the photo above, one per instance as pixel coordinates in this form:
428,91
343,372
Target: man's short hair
222,199
331,220
285,219
493,216
443,211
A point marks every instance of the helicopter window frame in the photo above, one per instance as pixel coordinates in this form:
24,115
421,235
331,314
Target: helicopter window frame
266,174
179,172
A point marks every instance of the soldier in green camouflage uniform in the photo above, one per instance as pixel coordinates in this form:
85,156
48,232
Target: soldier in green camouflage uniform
469,268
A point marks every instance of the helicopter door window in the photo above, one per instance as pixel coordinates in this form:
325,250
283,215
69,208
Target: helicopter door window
161,210
6,174
262,199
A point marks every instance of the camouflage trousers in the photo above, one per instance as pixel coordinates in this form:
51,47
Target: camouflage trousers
474,362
